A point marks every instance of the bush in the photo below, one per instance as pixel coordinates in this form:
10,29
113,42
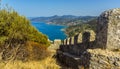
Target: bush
19,39
36,51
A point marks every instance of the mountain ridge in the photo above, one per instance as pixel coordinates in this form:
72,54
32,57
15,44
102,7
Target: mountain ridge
67,20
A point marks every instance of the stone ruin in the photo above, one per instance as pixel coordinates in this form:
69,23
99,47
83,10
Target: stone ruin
108,30
55,45
90,50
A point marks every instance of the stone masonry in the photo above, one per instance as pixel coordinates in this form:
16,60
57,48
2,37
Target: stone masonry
108,30
90,50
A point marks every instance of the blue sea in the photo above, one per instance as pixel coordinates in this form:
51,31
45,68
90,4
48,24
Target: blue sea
52,31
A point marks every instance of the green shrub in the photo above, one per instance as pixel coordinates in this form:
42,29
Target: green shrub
15,32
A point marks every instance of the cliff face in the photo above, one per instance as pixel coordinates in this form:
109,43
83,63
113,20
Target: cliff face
89,51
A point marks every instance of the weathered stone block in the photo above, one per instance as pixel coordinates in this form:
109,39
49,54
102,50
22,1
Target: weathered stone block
78,38
92,35
86,37
108,29
104,59
71,40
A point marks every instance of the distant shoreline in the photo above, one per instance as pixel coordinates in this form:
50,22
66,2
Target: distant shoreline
49,23
53,31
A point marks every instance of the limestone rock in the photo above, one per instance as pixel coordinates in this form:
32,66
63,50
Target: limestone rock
108,29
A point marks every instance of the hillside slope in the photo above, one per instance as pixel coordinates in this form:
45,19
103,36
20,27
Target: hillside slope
68,20
19,39
75,29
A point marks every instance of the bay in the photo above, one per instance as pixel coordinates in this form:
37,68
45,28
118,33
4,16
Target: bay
52,31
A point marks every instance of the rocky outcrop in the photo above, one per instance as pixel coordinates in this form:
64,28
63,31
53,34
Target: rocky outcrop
104,59
108,29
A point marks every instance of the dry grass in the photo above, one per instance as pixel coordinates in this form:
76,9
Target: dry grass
48,63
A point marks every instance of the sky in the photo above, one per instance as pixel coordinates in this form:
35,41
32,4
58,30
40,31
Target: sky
38,8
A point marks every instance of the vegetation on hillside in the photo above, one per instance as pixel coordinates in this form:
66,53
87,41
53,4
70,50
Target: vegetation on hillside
19,39
68,20
75,29
48,63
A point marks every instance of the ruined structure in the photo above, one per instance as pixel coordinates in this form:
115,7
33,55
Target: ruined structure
108,29
91,50
55,45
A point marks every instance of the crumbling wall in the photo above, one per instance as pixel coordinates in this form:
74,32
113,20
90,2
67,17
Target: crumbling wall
100,50
79,43
108,30
55,45
104,59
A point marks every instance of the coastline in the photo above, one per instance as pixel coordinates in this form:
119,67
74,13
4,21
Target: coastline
57,31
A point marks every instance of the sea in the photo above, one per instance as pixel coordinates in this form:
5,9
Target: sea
52,31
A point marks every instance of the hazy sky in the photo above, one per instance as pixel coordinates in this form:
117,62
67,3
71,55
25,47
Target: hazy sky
33,8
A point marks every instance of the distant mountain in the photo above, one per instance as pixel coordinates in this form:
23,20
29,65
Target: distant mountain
63,20
30,18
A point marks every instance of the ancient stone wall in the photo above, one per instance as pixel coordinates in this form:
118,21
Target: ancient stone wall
79,43
56,44
90,50
104,59
106,37
108,30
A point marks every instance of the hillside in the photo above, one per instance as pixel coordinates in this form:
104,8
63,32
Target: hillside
19,40
75,29
68,20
